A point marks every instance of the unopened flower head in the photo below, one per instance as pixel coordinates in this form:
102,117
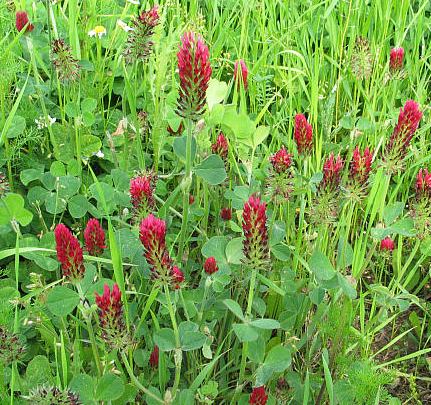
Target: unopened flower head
98,31
361,61
258,396
220,146
154,357
65,64
153,237
21,20
360,166
240,66
69,253
255,244
210,265
94,237
226,214
421,204
111,321
139,42
396,59
195,72
303,134
423,185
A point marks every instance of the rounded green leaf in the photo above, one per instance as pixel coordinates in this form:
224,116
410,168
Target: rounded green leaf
212,170
62,301
321,266
165,339
109,388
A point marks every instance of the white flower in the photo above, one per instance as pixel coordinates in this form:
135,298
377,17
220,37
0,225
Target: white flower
98,30
134,2
124,26
99,154
44,122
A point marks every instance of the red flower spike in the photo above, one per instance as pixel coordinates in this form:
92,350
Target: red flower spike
281,160
258,396
408,122
332,172
210,265
153,238
69,253
94,237
21,19
303,134
141,193
255,244
111,320
396,59
244,73
423,184
226,214
220,146
387,244
154,357
195,72
360,166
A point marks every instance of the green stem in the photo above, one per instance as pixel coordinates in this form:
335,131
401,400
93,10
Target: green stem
90,330
186,189
178,353
136,382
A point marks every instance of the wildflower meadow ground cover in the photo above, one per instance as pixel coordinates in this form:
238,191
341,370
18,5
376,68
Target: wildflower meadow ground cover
215,202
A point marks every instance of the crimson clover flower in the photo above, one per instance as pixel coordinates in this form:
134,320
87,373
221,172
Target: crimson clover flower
423,184
241,66
153,238
303,134
258,396
195,72
111,320
94,237
332,169
141,193
396,59
360,165
139,41
421,204
154,357
21,19
226,214
255,244
69,253
220,146
64,62
387,244
210,265
279,182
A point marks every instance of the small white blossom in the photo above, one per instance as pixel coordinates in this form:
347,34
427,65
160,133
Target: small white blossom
99,154
134,2
44,122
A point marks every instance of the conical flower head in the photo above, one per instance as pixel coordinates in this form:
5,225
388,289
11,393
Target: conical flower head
195,72
279,181
408,122
153,238
332,169
94,237
423,184
303,134
139,42
65,64
255,244
240,66
360,166
226,214
361,61
220,146
111,321
258,396
396,59
21,19
69,253
141,194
